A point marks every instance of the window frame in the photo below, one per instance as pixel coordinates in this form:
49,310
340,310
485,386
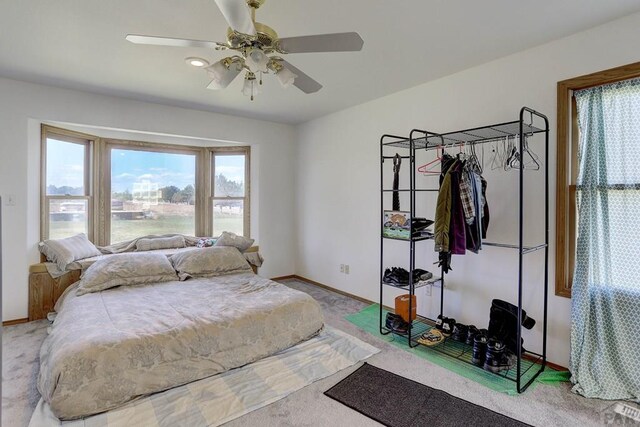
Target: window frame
246,206
89,143
98,180
566,173
104,227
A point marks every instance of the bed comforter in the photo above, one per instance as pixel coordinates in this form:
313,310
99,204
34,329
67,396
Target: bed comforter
109,347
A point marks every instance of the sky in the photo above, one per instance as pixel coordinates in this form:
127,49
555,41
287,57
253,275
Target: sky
65,167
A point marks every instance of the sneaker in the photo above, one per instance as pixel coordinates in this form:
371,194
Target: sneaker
479,349
431,337
396,323
472,331
460,332
439,321
447,326
496,358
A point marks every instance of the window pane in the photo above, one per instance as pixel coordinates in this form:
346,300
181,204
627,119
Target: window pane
65,168
228,215
151,193
67,217
229,179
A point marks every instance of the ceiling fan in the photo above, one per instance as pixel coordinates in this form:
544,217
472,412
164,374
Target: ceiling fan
259,49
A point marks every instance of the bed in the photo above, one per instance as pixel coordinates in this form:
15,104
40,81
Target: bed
108,347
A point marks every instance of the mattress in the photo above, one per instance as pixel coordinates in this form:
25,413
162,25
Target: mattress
108,348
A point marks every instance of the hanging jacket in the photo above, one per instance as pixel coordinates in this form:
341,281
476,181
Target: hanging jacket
443,216
443,207
457,235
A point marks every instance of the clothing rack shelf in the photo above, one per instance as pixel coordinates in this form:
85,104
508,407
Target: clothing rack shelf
462,351
477,135
418,285
528,364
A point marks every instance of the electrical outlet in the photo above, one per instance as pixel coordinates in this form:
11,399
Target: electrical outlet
341,268
346,269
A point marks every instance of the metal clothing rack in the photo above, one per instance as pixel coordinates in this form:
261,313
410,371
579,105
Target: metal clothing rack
525,371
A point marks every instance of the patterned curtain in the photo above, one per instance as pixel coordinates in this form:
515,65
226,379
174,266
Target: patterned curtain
605,333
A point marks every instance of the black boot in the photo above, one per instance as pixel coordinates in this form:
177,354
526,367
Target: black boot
503,323
479,348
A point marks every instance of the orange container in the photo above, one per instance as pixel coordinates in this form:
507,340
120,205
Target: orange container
402,307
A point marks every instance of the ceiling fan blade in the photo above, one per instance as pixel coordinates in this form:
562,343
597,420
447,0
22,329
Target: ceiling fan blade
303,81
337,42
238,15
167,41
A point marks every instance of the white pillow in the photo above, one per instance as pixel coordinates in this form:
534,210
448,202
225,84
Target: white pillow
65,251
126,269
231,239
209,262
154,243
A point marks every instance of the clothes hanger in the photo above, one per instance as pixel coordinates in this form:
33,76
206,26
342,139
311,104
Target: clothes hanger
427,168
498,158
534,162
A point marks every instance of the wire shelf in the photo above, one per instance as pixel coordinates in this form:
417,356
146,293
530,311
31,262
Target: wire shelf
462,351
475,136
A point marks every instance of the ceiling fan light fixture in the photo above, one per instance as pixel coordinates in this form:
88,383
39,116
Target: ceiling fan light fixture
223,73
251,87
196,62
257,60
286,77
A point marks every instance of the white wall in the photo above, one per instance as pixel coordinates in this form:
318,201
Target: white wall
337,178
23,106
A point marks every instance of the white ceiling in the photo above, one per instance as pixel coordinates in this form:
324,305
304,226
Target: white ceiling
80,44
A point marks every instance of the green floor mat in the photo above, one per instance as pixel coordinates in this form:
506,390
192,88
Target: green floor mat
368,320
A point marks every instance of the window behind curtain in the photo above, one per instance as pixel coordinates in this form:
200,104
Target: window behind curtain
566,173
152,193
608,181
66,194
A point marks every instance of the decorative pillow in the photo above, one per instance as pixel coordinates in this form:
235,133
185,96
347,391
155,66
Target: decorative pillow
206,242
231,239
209,262
152,244
126,269
65,251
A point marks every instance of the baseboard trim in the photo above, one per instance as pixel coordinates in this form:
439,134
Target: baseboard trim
328,288
364,300
14,322
289,277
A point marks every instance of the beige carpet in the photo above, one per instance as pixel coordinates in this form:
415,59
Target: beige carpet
542,406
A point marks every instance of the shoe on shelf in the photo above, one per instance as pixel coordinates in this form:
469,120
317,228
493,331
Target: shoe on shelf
396,276
459,332
472,331
440,321
479,348
431,337
420,274
497,358
396,323
447,326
